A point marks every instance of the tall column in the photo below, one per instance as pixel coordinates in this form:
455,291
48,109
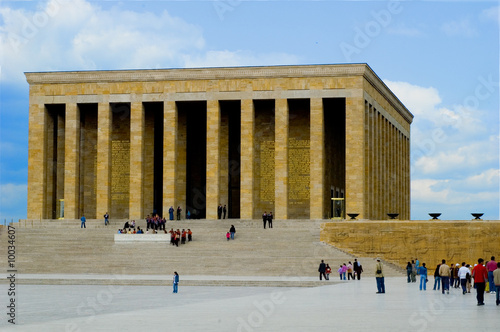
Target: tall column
37,161
354,155
281,159
104,128
136,206
247,159
213,158
170,127
72,162
317,162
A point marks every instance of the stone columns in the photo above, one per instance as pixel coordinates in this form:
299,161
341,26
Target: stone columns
247,157
72,163
354,156
136,206
317,161
281,159
170,127
104,118
213,158
36,161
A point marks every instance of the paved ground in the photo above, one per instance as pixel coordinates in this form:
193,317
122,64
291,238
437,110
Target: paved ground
351,305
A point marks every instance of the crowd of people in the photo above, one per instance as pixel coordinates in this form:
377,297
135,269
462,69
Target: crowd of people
482,277
178,235
352,270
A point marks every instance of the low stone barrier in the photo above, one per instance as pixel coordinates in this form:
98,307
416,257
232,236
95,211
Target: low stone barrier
142,238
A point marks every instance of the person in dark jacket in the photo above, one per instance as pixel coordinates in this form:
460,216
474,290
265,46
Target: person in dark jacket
322,270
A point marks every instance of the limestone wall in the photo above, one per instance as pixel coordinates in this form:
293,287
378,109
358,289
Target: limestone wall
429,241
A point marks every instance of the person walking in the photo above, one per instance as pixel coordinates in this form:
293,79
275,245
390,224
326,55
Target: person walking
176,282
491,266
422,272
82,225
328,271
437,278
462,276
379,276
480,276
322,270
264,219
232,230
106,219
444,273
496,280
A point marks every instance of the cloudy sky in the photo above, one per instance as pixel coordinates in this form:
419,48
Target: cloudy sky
441,58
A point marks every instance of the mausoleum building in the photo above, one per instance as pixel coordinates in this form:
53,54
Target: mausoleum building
306,142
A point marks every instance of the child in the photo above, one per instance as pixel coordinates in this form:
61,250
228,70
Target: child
340,272
328,271
228,236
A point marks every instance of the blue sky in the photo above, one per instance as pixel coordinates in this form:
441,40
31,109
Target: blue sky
441,58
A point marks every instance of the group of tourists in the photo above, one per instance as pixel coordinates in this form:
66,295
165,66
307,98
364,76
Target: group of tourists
268,217
131,231
482,277
352,270
176,236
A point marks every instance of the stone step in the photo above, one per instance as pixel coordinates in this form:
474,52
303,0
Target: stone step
291,248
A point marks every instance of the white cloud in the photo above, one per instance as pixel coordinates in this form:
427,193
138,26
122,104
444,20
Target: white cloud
75,35
492,13
79,35
461,28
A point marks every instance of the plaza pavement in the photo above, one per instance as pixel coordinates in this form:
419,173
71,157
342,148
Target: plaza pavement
336,306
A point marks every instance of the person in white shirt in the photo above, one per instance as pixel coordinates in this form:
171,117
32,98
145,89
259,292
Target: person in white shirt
462,274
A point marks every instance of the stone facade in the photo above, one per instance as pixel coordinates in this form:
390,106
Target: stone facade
430,241
285,139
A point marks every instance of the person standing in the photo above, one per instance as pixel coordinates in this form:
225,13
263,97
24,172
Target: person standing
496,280
444,273
409,270
264,219
171,213
491,266
422,272
462,275
379,276
417,264
224,210
232,230
179,210
83,222
437,278
106,219
480,276
322,270
413,271
219,211
176,282
270,219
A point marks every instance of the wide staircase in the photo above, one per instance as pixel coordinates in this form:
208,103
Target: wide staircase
60,252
